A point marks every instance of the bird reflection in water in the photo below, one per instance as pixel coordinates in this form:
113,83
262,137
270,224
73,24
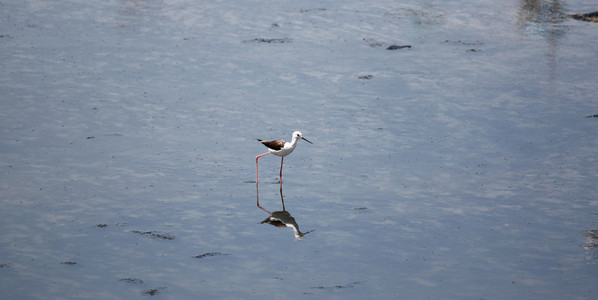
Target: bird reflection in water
280,218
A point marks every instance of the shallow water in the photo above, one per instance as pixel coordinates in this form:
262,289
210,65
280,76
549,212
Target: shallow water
459,167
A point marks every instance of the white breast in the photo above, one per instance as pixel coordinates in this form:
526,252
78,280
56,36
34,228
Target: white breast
286,150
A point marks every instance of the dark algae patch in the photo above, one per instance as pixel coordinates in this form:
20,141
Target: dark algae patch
131,280
397,47
339,286
466,43
156,235
153,291
268,41
210,254
311,9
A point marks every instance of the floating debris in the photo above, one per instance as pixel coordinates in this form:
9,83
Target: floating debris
68,263
91,137
591,116
360,208
156,235
366,77
131,280
269,41
589,17
102,225
396,47
5,266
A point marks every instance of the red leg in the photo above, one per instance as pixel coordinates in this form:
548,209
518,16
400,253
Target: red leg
281,161
256,164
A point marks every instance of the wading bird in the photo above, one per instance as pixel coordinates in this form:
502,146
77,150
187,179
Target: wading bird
280,148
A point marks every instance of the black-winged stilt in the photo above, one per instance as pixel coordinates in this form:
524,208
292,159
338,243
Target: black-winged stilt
279,148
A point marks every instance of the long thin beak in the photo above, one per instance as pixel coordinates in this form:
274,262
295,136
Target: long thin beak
306,140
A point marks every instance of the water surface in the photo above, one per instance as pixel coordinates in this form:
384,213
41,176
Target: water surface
459,167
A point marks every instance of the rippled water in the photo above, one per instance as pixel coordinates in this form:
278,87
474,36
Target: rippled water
462,166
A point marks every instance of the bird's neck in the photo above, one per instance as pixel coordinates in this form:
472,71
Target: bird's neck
294,142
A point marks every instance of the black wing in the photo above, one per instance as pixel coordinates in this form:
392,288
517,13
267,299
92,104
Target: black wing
274,145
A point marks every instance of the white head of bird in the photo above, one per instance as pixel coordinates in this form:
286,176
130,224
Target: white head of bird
298,136
289,147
